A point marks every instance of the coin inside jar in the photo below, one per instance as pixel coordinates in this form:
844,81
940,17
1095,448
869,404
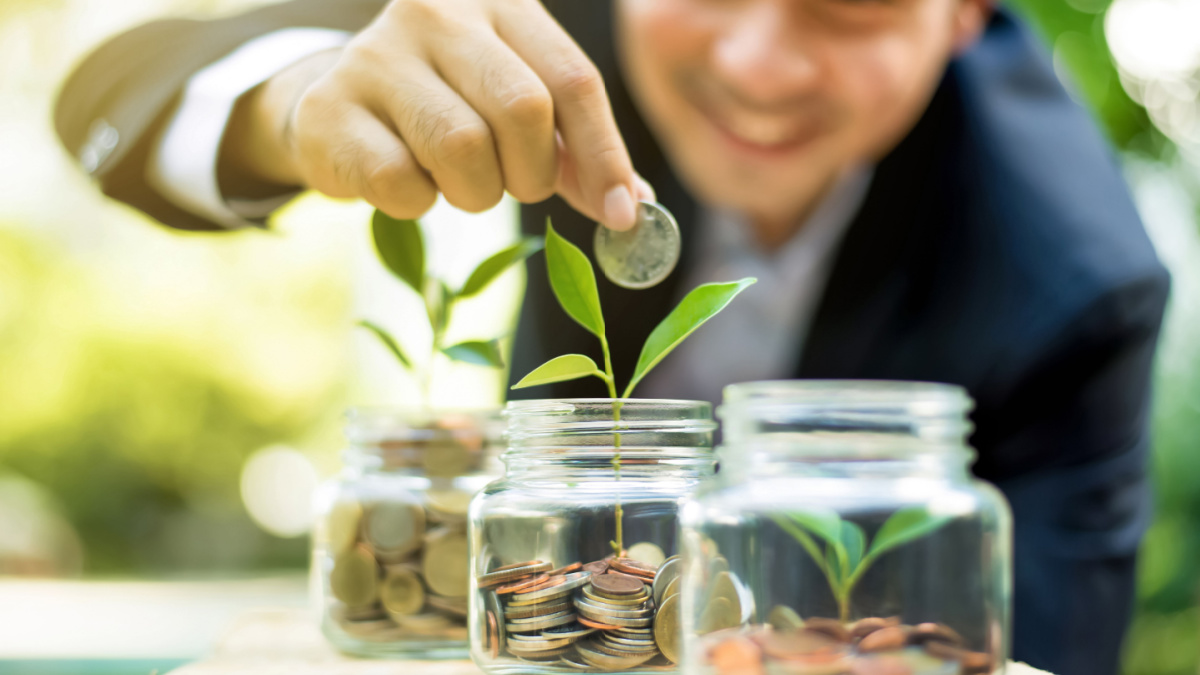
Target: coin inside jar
643,255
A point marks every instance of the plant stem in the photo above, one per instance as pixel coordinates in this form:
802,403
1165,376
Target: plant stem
619,542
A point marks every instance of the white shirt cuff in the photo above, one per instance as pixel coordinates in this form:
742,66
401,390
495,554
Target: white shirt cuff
183,165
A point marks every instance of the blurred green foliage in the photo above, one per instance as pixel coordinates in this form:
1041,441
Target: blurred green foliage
136,428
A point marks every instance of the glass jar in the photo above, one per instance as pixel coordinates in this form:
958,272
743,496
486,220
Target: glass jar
845,534
572,547
390,565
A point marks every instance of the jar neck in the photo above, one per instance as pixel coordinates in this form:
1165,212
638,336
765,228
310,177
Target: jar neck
588,439
860,430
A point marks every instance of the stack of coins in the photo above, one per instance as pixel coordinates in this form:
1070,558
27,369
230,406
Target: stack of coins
607,615
399,568
619,604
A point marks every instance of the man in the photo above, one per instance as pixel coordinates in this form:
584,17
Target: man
917,194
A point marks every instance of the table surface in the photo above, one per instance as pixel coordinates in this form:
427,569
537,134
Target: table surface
288,642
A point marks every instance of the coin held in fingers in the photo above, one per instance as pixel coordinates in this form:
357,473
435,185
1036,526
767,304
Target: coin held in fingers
643,255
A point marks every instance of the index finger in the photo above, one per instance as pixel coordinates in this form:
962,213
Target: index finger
581,108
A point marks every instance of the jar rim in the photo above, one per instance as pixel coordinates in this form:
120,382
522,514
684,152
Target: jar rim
916,397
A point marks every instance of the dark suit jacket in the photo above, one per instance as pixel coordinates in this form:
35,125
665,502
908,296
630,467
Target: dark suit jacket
997,249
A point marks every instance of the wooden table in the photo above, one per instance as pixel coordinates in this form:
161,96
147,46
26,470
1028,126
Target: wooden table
288,642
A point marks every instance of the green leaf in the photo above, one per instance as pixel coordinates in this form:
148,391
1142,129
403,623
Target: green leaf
822,522
437,298
904,526
813,549
477,352
560,369
702,304
400,247
855,543
388,341
491,269
574,282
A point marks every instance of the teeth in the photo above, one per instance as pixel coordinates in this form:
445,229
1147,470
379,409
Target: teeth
760,132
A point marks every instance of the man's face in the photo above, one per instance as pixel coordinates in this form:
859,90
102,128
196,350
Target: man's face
761,104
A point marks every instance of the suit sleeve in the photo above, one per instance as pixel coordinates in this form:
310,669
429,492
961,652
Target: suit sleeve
1077,432
111,108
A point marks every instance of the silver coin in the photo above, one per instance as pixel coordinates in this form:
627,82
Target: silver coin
644,255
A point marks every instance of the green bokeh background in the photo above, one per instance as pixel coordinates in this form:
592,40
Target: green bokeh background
133,390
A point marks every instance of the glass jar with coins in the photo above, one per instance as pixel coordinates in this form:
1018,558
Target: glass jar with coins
845,534
390,564
574,550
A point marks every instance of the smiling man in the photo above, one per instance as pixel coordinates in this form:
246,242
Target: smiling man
917,194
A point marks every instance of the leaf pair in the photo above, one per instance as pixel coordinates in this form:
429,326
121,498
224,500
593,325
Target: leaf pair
574,284
846,557
401,247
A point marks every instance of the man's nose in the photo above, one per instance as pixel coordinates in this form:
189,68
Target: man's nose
763,54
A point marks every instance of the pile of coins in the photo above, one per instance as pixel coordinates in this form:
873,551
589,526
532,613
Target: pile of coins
607,615
399,568
871,646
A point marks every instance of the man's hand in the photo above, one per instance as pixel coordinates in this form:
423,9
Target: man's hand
470,98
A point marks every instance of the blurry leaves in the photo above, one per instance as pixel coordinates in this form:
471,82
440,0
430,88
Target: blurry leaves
401,248
388,341
491,269
477,352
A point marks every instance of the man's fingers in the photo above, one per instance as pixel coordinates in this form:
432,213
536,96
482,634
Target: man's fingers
360,157
518,108
582,110
444,133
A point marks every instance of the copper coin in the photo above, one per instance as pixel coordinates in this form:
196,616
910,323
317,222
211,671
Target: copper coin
736,656
493,635
505,568
510,573
573,567
885,640
631,566
596,568
925,632
597,625
975,663
831,627
864,627
793,643
523,584
615,583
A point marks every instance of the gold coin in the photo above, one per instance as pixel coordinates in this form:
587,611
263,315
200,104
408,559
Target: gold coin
449,502
783,617
667,573
339,527
724,587
717,615
667,628
402,593
394,528
648,553
446,565
354,577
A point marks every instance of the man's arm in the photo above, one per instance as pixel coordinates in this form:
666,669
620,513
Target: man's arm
1081,416
112,108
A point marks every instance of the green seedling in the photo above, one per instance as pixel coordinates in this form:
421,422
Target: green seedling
401,247
845,556
574,283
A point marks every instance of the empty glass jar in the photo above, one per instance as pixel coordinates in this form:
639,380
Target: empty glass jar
574,549
845,534
390,565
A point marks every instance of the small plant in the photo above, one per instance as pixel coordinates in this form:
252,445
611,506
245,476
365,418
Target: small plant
846,556
574,283
402,250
